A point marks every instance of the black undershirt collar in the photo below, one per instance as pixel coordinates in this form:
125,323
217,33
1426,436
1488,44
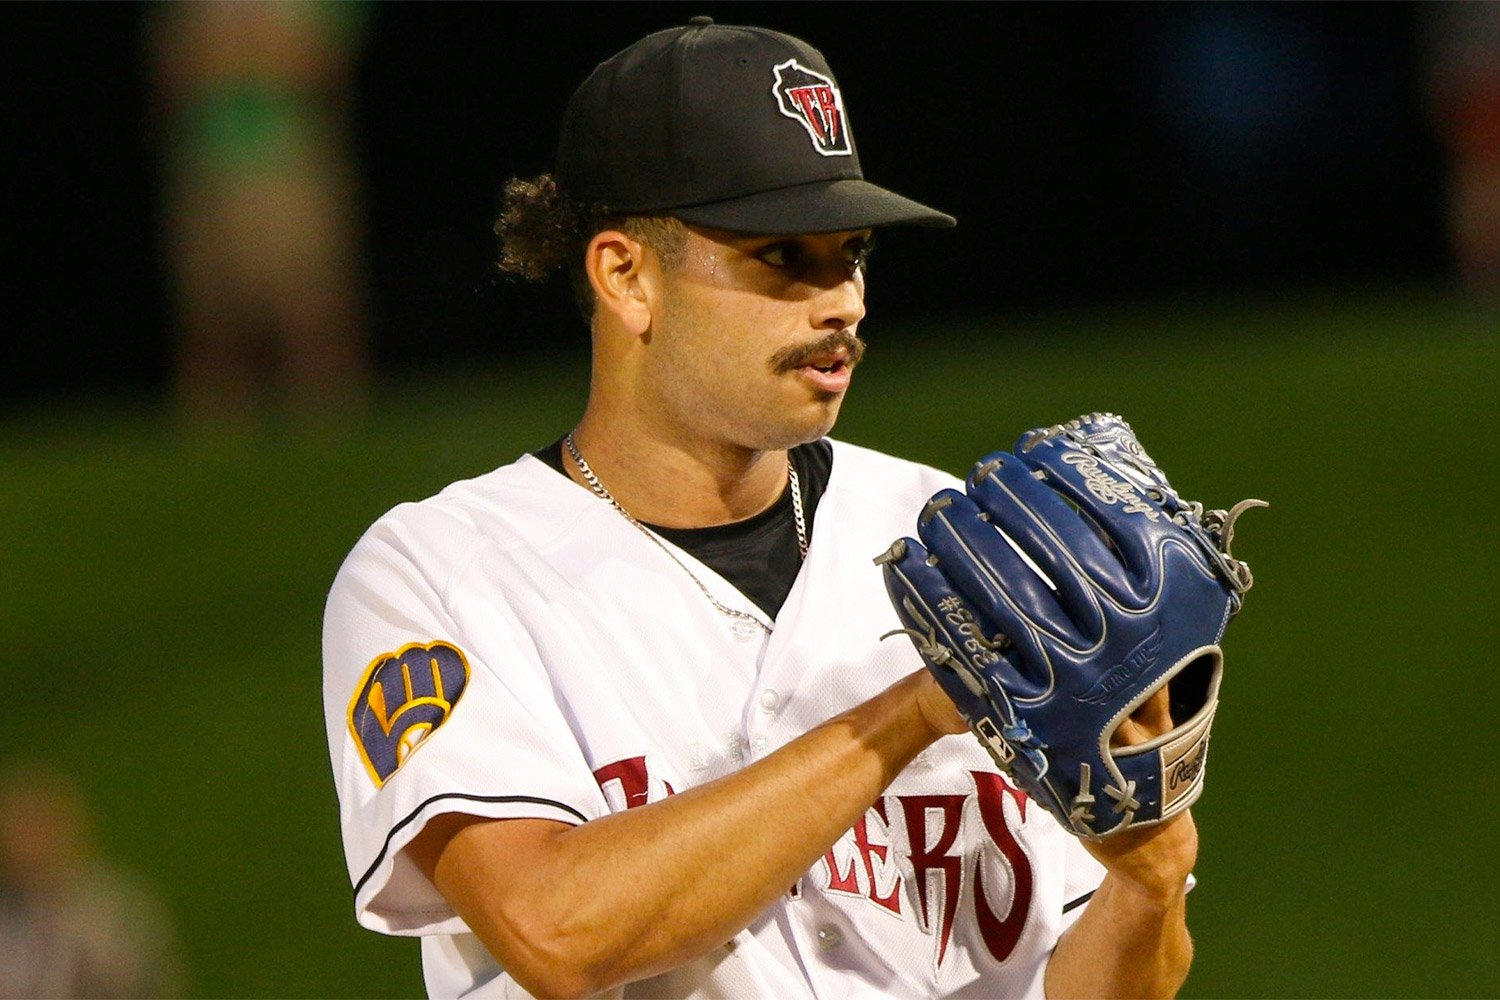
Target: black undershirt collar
759,555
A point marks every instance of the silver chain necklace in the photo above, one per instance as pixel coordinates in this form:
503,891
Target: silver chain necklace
737,615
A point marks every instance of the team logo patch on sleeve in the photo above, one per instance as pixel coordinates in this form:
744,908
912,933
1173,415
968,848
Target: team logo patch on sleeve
402,698
813,101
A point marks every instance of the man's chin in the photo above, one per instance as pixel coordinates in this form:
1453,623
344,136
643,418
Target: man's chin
818,425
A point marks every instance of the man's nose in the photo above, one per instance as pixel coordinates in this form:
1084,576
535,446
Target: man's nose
842,305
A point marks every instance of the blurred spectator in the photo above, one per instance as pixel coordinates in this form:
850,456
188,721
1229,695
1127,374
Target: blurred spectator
261,224
1465,53
72,925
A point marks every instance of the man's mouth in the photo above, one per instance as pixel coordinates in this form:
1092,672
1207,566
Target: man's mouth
828,371
828,365
835,354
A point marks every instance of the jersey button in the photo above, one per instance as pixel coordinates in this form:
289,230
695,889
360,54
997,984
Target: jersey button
769,700
829,936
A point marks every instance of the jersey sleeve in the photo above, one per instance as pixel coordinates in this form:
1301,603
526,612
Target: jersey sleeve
428,713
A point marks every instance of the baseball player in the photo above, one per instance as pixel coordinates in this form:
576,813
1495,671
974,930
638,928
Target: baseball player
617,718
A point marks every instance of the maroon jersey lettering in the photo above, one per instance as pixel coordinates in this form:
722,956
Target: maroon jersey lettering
931,854
635,781
864,861
1001,936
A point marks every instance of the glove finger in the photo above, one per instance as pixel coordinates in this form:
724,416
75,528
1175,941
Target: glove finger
1050,531
953,636
984,564
1106,499
988,572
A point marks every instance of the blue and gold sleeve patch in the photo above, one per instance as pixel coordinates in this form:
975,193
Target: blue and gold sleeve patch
401,699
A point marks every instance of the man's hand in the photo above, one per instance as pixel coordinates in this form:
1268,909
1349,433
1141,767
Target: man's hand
1153,861
1156,860
938,710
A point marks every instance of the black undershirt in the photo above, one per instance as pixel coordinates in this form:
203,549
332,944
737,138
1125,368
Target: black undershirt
758,555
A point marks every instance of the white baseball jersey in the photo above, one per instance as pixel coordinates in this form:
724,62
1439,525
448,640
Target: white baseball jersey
513,647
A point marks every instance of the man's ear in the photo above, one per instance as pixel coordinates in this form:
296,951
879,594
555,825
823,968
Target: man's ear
621,271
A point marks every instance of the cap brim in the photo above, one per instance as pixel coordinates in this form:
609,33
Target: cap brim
819,207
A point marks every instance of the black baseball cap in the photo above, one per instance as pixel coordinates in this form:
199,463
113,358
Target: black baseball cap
728,127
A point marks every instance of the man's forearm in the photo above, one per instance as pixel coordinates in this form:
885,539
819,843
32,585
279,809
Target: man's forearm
637,893
1132,939
1124,945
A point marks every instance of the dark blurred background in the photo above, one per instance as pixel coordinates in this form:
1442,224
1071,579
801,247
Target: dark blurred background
248,303
1091,153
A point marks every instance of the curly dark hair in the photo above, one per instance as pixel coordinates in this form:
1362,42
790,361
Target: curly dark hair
541,229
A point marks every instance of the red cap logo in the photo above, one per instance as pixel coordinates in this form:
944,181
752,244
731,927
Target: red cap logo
813,100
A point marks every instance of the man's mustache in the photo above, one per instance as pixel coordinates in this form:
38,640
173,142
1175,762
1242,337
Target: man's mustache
791,358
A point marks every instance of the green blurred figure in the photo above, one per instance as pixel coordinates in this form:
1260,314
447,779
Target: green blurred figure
71,924
261,218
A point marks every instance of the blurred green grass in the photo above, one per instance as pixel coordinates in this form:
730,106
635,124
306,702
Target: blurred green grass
163,596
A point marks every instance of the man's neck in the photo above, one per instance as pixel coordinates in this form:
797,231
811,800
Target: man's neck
678,484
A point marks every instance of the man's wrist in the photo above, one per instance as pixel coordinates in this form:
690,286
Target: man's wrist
1155,895
1152,864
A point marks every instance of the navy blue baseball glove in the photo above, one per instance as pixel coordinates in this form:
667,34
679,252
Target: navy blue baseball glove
1062,590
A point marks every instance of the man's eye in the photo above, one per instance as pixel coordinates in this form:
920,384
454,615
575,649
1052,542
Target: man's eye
777,255
793,256
857,253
